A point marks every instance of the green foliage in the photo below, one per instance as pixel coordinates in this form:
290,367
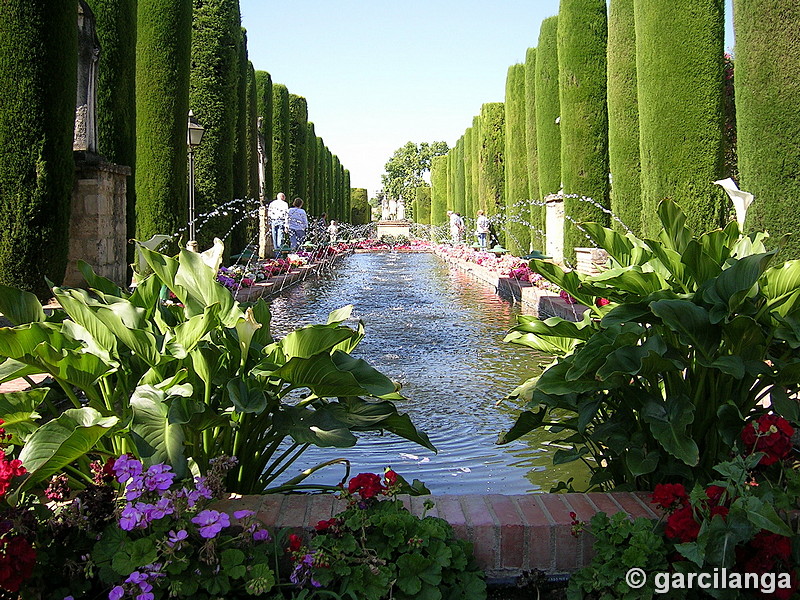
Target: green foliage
620,544
475,161
656,384
459,183
198,379
679,54
376,549
548,109
439,190
470,192
517,225
492,159
582,41
38,51
312,201
407,166
241,147
360,210
280,140
116,92
163,48
264,99
253,183
767,117
298,129
623,117
422,205
213,96
537,213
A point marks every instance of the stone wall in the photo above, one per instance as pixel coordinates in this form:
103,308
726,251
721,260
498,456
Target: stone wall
97,231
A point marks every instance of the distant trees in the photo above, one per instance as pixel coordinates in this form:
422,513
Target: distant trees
407,166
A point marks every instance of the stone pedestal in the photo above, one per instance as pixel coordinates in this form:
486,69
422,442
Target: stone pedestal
590,261
393,228
97,233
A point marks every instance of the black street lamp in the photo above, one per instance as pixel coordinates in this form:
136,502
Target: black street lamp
194,135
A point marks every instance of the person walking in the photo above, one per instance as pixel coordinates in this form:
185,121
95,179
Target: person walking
482,229
297,221
277,213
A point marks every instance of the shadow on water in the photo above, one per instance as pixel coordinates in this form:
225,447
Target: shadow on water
440,334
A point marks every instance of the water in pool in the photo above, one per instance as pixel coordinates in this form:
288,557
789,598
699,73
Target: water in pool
439,333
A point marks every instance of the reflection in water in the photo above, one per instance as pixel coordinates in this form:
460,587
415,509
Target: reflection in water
440,334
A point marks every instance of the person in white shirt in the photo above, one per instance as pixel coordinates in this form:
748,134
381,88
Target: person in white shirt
333,231
297,221
278,212
456,226
482,229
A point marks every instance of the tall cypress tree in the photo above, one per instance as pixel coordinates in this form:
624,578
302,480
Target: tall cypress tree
532,152
548,109
492,160
213,95
459,189
469,200
310,195
163,48
240,150
451,180
477,143
116,93
422,203
768,115
298,119
347,193
264,99
320,174
38,51
623,117
679,71
517,226
330,180
582,41
280,140
360,212
336,188
253,190
439,190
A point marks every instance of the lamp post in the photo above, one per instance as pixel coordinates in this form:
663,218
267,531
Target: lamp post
194,134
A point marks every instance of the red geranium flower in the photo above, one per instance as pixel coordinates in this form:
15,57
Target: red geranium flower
390,477
17,559
670,496
368,485
681,526
295,542
325,525
602,302
771,435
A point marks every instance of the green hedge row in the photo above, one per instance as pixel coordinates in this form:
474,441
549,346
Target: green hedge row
517,210
439,190
536,216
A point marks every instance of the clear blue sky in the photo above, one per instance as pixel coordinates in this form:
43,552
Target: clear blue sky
378,74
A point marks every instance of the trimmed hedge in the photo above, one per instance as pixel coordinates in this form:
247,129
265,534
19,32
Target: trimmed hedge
320,174
280,140
163,48
492,182
517,227
582,41
477,143
38,51
768,115
360,210
253,183
459,190
241,166
548,109
532,153
469,190
422,205
116,93
439,190
311,200
346,195
298,120
679,69
214,98
623,117
264,99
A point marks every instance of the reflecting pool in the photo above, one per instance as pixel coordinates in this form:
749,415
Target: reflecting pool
439,333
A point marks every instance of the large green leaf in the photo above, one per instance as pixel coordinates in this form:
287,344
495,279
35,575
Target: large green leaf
189,333
626,250
202,289
61,441
369,379
557,346
318,427
20,342
632,279
735,283
244,398
691,322
340,314
313,339
781,285
676,235
18,412
628,359
19,306
639,463
567,280
554,380
320,375
669,422
526,422
14,369
76,304
555,326
698,262
156,439
96,282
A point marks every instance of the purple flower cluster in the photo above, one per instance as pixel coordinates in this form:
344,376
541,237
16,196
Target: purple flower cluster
211,522
302,573
139,584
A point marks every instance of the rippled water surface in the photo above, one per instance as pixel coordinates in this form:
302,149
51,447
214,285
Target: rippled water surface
440,334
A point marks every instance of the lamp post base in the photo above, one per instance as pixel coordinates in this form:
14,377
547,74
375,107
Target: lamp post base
191,245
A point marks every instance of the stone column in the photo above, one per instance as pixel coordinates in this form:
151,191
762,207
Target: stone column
554,228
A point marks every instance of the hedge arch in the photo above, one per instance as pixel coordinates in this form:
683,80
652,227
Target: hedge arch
38,51
623,117
582,41
768,115
679,70
280,139
264,100
163,50
517,225
214,98
532,153
548,109
116,93
439,190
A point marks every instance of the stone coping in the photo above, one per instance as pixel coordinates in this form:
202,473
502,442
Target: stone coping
510,534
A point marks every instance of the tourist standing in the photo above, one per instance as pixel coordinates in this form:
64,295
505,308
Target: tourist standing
482,229
297,221
278,212
333,231
456,226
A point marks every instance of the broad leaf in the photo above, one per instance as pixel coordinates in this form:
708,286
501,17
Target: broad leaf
691,322
97,282
669,422
156,438
19,306
340,314
313,339
18,412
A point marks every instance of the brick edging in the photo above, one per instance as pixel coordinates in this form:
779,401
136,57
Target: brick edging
510,534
